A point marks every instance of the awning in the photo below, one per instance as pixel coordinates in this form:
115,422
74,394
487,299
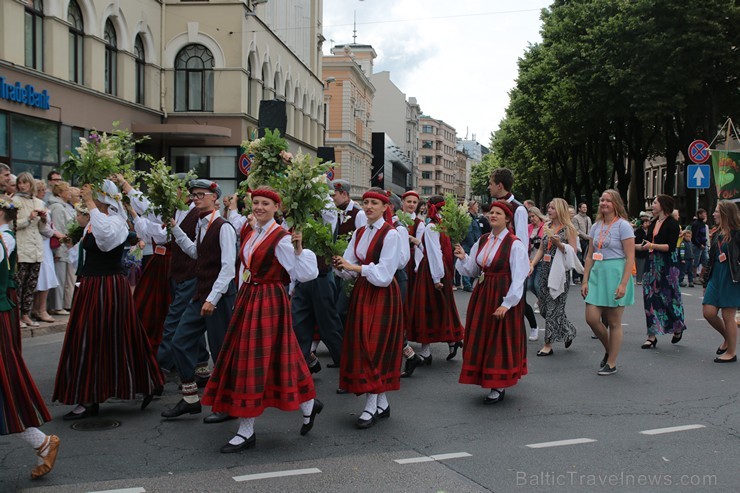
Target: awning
180,130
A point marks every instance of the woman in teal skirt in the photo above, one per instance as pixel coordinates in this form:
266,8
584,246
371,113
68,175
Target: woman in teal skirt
722,279
607,277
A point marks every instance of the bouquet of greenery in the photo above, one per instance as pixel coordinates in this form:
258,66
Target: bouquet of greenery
304,190
269,162
74,232
318,237
165,192
404,218
455,221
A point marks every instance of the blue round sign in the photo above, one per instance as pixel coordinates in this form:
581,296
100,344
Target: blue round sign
330,174
245,163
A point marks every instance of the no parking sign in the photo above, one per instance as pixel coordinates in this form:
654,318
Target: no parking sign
245,163
699,151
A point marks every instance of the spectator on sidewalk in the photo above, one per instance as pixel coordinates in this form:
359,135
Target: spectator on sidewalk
474,233
640,252
699,239
582,222
686,257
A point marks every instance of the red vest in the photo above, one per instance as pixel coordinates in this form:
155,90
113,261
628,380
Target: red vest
182,267
265,267
208,263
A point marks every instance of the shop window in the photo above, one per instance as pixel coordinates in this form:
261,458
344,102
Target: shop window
76,41
34,34
140,69
34,145
194,79
111,57
3,134
214,163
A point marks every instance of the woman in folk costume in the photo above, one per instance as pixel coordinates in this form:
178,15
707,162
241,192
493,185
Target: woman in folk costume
22,409
495,353
410,204
373,336
261,364
152,295
434,316
106,352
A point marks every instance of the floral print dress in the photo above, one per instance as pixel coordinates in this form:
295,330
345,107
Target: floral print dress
557,326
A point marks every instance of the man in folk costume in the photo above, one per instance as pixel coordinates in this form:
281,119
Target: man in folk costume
371,351
410,204
351,218
182,286
210,309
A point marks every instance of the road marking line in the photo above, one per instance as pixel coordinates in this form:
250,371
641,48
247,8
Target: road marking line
560,443
672,429
277,474
686,294
124,490
432,458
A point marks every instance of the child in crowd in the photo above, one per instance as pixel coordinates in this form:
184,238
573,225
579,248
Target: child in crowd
686,255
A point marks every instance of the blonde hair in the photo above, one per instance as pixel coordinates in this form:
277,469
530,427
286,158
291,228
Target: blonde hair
59,188
561,207
619,209
27,177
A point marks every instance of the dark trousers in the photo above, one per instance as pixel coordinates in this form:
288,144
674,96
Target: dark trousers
313,305
687,269
402,278
342,300
182,293
193,326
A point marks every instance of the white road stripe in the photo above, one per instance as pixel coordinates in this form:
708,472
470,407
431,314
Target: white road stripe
672,429
124,490
686,294
276,474
432,458
560,443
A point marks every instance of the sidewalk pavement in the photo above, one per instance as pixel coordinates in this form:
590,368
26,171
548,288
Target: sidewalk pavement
45,328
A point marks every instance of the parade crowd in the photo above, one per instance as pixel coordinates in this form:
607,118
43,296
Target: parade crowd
232,307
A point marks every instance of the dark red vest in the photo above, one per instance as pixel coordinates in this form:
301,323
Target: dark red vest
376,245
349,225
264,265
182,267
208,263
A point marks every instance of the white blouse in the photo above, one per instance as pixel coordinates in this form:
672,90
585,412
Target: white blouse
9,240
404,253
518,262
109,230
301,268
380,274
433,252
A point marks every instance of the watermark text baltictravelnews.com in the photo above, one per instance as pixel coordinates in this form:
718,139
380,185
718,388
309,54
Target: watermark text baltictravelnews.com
576,478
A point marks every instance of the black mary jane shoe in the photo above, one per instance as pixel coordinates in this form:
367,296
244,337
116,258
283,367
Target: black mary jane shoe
677,338
341,391
317,407
426,360
494,400
214,418
181,408
333,365
315,367
721,351
453,350
91,410
603,361
247,443
411,365
649,344
385,413
729,360
147,400
364,424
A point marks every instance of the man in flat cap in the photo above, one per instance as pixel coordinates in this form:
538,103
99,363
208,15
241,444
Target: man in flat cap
210,309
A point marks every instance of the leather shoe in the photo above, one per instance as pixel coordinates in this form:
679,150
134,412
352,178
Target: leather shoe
677,338
91,410
247,443
729,360
217,418
568,343
426,360
52,444
494,400
181,408
316,367
385,413
342,391
453,350
721,351
317,407
542,353
411,365
333,365
364,424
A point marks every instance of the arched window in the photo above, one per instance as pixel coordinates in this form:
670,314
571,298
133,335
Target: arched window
249,86
111,57
276,84
34,29
140,69
265,88
76,41
194,79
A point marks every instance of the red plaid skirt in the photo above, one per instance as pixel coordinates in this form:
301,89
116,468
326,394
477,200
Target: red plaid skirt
373,340
433,313
152,298
106,352
15,317
260,364
495,352
21,405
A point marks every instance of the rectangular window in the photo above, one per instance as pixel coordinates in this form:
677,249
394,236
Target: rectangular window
427,144
3,134
426,175
214,163
428,160
427,129
34,34
426,190
34,145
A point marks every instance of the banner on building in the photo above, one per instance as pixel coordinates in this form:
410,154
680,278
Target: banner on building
726,169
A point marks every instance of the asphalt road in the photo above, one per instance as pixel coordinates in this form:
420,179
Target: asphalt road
440,436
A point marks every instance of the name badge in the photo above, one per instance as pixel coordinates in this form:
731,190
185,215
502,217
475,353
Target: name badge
598,256
547,258
160,250
722,257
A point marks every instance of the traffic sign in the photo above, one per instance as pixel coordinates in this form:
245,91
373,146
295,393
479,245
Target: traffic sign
245,163
697,176
699,152
330,174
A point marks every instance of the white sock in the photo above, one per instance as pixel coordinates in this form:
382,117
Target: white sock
33,436
371,405
314,346
426,350
382,402
246,429
307,409
79,409
494,393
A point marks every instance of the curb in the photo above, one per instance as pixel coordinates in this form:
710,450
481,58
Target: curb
46,328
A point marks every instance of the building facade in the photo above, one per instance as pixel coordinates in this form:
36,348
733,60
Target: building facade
438,157
190,75
463,164
349,98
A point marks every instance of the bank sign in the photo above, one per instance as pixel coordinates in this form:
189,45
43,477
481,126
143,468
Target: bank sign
21,94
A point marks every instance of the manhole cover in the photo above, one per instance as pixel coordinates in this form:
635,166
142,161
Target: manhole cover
96,425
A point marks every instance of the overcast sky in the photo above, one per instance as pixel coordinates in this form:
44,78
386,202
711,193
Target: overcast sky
458,58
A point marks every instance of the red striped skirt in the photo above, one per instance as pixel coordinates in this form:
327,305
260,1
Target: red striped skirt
15,318
373,340
106,352
21,405
434,316
152,298
260,364
495,352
